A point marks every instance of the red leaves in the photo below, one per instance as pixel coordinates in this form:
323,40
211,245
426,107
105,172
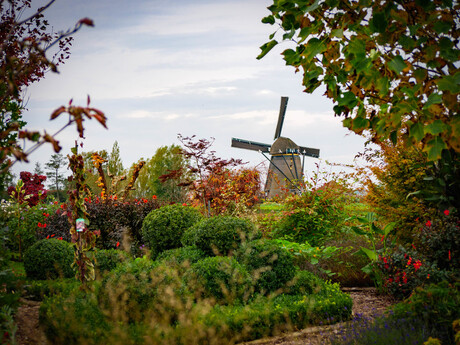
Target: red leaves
86,21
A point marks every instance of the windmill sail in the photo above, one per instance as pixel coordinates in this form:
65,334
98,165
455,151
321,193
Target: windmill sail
250,145
279,126
308,151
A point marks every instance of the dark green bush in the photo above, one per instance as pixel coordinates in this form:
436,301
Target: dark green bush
162,229
108,259
183,255
220,235
222,278
270,266
49,259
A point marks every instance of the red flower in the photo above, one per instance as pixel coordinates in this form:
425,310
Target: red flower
184,204
449,256
154,197
118,244
428,223
446,212
115,197
414,247
145,200
47,236
60,238
52,235
40,225
44,225
383,238
417,265
62,206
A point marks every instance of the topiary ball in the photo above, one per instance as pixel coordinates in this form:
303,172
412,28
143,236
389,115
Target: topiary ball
270,266
304,283
163,228
220,235
221,277
49,259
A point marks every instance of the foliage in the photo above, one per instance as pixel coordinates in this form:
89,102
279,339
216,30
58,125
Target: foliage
184,256
25,223
49,259
437,304
221,278
312,216
84,239
390,67
303,283
439,241
205,168
220,235
398,174
163,175
24,44
37,290
8,328
304,252
265,317
163,228
402,270
108,259
114,163
270,266
53,167
32,186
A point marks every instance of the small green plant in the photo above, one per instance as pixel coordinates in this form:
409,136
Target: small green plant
163,228
220,235
183,256
49,259
108,259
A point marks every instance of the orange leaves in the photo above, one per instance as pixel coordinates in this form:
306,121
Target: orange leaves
78,114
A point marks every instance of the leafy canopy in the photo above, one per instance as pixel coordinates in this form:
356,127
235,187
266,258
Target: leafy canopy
391,67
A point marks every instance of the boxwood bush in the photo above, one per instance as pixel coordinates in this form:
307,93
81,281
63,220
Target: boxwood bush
222,278
220,235
49,259
163,228
270,266
183,256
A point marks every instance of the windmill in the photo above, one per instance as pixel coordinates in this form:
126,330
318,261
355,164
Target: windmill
285,167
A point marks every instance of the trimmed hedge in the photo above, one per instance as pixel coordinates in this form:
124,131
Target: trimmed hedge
163,228
49,259
182,256
220,235
222,278
108,259
271,266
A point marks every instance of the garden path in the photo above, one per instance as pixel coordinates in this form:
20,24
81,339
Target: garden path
365,301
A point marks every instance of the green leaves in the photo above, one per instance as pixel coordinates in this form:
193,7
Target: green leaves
266,48
450,83
397,64
434,148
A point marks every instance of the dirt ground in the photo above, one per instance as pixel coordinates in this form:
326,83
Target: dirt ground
365,302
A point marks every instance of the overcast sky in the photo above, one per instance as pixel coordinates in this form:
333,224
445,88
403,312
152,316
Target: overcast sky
157,68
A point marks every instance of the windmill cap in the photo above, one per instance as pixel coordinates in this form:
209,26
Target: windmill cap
283,144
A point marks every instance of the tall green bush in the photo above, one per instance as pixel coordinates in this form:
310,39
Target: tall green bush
163,228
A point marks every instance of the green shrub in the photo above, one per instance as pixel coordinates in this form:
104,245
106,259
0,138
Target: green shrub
437,305
270,266
264,316
182,256
222,278
108,259
303,283
162,229
220,235
37,290
49,259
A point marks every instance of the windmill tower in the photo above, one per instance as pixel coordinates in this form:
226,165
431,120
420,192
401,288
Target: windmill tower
285,168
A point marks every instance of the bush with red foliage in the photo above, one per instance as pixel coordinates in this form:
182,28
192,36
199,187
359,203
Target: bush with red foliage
33,186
